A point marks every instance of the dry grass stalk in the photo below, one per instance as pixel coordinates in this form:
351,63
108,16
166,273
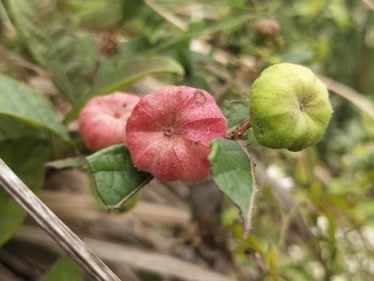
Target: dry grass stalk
68,240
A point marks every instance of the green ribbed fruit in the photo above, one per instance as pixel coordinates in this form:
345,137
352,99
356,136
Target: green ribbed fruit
289,107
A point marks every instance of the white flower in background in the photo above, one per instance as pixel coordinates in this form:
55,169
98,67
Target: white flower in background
274,172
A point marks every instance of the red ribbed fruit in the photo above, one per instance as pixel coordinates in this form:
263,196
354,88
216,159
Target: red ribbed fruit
102,122
169,133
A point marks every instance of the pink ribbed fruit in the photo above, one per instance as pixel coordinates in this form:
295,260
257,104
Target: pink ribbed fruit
102,122
169,133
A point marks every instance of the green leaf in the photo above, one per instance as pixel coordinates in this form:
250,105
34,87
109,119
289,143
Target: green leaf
132,8
232,170
133,47
65,269
25,105
194,81
73,162
251,139
131,203
26,157
116,74
68,55
222,25
96,13
115,176
11,128
235,112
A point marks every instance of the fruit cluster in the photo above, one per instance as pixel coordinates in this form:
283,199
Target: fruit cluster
169,132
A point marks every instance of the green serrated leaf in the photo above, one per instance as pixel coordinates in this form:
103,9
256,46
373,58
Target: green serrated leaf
115,176
232,170
26,157
65,269
22,103
116,74
60,49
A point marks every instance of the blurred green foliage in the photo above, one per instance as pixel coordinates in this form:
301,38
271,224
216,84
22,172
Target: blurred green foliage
65,269
314,219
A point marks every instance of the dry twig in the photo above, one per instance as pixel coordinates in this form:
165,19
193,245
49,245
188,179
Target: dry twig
162,264
69,241
359,100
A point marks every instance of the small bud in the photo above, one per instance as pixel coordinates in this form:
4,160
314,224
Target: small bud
289,107
268,27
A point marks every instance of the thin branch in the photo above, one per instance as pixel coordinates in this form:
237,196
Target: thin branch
358,99
67,239
173,19
168,266
369,3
